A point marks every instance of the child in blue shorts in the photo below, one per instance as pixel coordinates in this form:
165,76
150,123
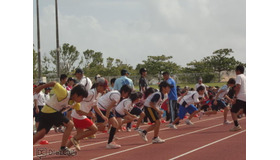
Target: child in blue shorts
186,105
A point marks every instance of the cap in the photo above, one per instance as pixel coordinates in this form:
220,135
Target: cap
142,70
79,70
101,81
165,84
124,72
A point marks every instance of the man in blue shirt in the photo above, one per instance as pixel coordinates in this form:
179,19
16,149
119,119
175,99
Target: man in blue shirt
123,80
172,97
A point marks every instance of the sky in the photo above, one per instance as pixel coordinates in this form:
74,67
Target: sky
131,30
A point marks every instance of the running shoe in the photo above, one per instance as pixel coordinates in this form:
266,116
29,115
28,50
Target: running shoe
128,129
143,135
170,125
113,145
188,122
235,128
67,151
157,140
75,143
91,136
227,122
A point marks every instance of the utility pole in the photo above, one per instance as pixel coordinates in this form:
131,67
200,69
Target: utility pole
38,36
57,42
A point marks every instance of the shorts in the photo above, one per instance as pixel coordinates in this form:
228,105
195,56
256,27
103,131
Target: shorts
37,115
151,114
136,111
82,123
220,105
47,120
119,115
239,105
183,110
100,119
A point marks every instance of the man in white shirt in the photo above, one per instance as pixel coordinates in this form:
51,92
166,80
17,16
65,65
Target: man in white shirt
83,79
239,101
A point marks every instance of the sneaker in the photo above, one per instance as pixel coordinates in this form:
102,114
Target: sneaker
227,122
172,126
67,151
91,136
128,129
188,122
200,115
75,143
235,128
113,145
158,140
143,135
137,129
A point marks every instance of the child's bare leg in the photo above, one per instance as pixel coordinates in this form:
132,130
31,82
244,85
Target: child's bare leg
67,132
142,115
156,128
39,135
194,113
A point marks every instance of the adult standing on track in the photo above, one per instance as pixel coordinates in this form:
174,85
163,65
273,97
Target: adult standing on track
239,101
143,85
83,79
172,96
123,80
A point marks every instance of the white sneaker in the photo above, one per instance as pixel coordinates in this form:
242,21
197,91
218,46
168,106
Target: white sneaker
113,145
227,122
158,140
235,128
200,115
143,135
170,125
128,129
188,122
75,143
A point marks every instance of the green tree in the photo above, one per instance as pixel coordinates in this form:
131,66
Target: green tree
68,56
35,64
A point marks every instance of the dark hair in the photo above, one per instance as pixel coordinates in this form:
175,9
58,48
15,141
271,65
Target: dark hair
133,96
149,91
126,89
231,81
63,76
200,88
165,73
140,94
240,68
211,97
113,80
80,90
142,70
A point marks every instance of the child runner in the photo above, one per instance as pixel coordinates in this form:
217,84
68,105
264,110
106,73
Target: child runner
187,106
105,104
219,102
39,102
239,102
80,119
51,112
123,109
152,105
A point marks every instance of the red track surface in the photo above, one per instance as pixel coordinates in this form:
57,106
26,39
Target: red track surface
207,139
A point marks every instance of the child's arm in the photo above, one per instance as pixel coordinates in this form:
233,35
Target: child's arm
39,88
113,103
97,110
127,113
153,105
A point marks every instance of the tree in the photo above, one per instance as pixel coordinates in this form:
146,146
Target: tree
68,56
158,64
35,64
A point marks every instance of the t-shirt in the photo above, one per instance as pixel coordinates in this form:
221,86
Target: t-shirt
190,98
158,98
47,96
172,95
143,83
86,82
105,100
224,90
123,80
125,104
40,97
241,79
59,101
86,104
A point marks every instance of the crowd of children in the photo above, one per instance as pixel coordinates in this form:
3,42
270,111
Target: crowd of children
90,107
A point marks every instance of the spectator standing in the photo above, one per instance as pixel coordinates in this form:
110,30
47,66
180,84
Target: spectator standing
83,79
123,80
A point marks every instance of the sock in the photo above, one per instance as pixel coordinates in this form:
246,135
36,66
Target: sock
236,123
112,133
145,132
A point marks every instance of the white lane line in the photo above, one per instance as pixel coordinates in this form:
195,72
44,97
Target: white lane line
151,143
36,145
207,145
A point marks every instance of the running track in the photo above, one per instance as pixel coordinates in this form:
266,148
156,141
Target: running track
207,139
